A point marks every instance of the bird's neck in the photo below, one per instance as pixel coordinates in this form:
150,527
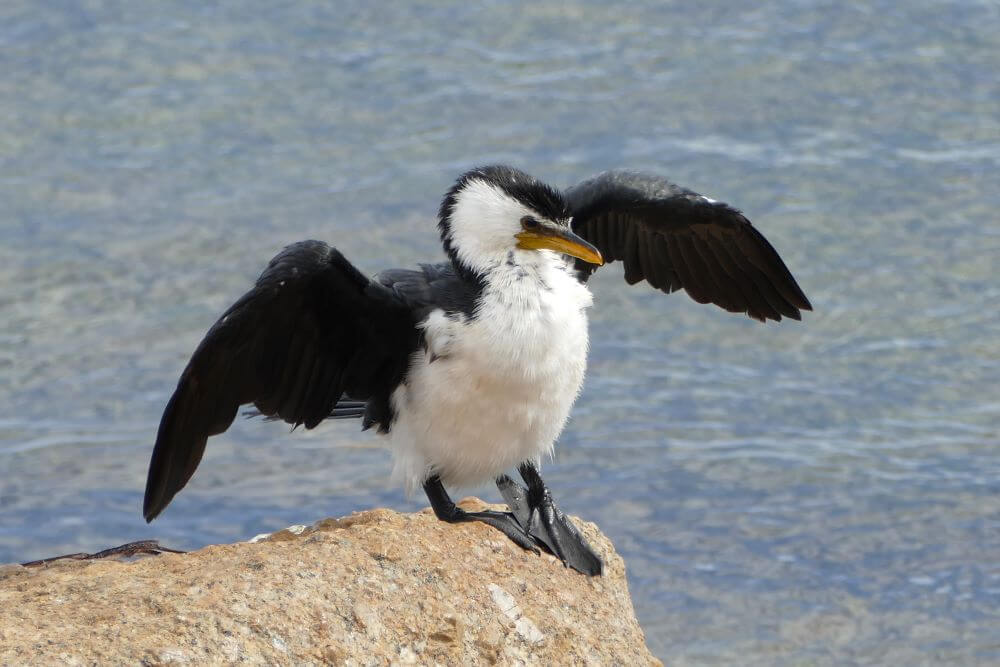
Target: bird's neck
527,282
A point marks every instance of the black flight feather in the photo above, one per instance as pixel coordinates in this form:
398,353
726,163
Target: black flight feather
312,328
674,238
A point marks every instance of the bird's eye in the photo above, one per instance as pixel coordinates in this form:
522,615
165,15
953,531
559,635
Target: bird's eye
529,223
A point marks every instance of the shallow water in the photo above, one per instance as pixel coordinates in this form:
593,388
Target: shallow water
824,491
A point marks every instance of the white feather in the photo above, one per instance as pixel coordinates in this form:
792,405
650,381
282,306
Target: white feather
502,383
483,223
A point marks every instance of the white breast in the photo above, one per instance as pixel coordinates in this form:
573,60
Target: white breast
501,384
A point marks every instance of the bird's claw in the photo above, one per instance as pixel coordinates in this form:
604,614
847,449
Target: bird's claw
549,527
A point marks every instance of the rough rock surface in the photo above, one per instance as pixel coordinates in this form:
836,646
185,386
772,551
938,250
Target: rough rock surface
374,588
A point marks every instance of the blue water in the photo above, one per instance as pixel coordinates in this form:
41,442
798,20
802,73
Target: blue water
815,492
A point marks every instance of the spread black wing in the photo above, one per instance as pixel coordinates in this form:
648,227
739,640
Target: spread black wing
674,238
311,329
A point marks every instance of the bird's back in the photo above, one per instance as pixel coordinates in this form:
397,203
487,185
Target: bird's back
432,286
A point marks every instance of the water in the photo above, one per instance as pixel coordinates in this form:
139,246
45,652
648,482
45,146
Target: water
815,492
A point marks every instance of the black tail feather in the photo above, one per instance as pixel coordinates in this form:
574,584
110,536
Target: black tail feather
347,409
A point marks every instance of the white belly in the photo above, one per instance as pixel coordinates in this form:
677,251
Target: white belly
501,387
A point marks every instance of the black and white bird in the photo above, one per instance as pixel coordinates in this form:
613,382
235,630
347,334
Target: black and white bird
468,367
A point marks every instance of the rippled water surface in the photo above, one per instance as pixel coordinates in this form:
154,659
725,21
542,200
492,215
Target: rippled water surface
804,492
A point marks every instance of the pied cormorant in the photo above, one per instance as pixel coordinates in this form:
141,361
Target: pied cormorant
469,367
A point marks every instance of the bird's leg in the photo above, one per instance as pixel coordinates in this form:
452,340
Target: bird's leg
541,519
446,510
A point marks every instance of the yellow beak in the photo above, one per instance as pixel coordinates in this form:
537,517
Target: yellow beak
561,240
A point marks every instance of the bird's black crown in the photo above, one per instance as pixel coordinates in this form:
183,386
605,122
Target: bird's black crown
540,197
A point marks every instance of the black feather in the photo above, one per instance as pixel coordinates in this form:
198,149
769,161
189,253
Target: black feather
708,248
311,327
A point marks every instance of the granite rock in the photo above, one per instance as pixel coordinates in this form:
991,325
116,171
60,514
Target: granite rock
374,588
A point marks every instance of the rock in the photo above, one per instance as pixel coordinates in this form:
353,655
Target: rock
374,588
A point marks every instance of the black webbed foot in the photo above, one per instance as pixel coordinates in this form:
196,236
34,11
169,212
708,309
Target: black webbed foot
505,522
539,517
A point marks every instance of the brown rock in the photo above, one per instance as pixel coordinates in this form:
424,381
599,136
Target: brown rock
373,588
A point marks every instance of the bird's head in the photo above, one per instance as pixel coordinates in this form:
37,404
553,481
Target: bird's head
493,214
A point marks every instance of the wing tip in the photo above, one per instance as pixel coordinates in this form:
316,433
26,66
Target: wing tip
799,305
794,313
151,508
164,482
156,497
